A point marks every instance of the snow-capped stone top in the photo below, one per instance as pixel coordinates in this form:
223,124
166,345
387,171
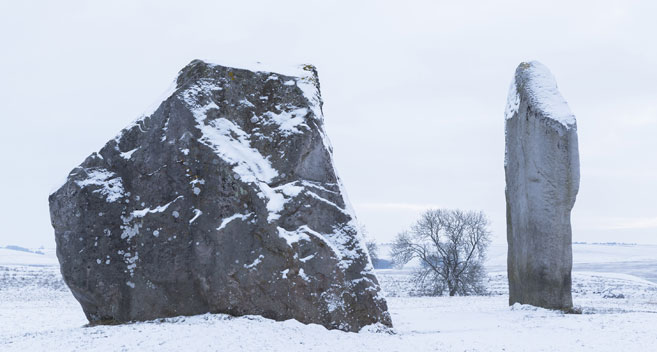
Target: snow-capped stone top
304,76
535,82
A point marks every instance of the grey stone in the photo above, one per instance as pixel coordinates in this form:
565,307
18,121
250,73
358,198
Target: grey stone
225,200
542,181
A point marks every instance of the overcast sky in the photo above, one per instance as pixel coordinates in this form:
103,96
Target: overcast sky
414,95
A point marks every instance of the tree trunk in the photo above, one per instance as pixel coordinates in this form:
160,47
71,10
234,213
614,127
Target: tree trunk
452,288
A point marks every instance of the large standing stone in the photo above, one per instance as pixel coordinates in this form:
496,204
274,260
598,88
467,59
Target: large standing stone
225,199
542,180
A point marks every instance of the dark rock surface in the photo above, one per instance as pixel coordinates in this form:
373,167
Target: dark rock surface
224,199
542,181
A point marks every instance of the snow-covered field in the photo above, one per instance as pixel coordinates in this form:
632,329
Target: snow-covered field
38,313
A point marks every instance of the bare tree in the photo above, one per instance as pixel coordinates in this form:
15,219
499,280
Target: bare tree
373,249
371,245
451,247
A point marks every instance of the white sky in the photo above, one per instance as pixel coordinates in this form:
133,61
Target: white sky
414,95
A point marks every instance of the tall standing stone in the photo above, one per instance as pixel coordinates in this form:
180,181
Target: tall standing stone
542,179
225,199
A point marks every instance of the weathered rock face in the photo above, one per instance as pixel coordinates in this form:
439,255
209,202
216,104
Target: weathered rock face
225,200
542,180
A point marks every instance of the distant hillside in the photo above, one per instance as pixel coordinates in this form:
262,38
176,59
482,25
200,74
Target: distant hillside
16,255
23,249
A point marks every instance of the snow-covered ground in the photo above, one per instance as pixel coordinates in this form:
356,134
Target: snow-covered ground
37,312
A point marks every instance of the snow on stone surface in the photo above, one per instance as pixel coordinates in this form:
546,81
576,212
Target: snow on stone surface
303,275
246,102
37,312
143,212
110,183
250,165
291,237
127,155
321,199
255,262
543,93
338,251
290,189
227,220
302,78
197,213
233,145
289,122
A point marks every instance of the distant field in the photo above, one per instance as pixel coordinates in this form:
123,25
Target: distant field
636,260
